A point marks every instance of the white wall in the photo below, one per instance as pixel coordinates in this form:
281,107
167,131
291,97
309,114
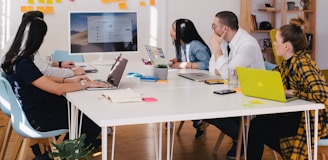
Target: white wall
200,12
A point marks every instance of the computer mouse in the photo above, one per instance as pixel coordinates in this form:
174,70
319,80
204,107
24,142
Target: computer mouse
134,74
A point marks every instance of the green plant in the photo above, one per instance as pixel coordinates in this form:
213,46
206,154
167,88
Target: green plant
72,149
161,66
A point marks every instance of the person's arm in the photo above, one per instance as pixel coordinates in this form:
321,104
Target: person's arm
60,86
46,69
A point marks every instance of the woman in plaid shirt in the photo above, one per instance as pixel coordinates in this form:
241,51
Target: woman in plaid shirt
285,132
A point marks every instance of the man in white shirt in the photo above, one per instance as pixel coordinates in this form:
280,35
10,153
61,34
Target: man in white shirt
243,51
58,69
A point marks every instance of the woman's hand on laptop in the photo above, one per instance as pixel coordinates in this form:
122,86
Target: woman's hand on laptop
78,71
289,92
97,84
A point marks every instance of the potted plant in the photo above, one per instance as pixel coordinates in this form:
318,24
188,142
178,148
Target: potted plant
161,71
72,149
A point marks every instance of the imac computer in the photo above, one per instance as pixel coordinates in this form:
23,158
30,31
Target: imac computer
103,32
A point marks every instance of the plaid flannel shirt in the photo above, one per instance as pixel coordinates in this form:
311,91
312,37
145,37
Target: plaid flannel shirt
305,78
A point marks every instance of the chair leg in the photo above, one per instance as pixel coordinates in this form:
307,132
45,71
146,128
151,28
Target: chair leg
323,155
17,148
23,149
180,127
275,154
5,139
218,143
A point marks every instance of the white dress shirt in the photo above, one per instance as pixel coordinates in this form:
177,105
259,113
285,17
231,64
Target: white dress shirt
245,52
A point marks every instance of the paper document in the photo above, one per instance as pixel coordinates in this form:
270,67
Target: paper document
122,95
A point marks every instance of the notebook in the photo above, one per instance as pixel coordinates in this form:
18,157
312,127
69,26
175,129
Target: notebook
115,74
156,55
199,77
264,84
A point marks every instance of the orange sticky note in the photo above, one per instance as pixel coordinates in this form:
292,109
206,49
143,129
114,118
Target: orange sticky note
23,9
58,1
30,8
105,1
49,2
142,3
49,10
30,1
162,81
152,2
41,1
122,5
40,8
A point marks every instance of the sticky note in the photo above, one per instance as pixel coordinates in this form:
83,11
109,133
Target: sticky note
238,90
23,9
58,1
41,1
30,1
49,2
149,99
255,102
105,1
152,2
122,5
40,8
30,8
142,3
49,10
162,81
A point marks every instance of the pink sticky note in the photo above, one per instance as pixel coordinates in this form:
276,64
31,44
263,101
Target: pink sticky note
149,99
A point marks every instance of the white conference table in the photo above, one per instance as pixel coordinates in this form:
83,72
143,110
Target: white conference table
178,100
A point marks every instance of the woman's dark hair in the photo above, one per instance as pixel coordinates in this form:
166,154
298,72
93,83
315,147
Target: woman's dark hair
185,32
229,19
294,34
27,42
33,14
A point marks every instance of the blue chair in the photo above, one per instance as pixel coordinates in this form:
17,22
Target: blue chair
269,66
20,123
61,55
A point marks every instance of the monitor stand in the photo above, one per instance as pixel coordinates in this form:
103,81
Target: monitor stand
100,61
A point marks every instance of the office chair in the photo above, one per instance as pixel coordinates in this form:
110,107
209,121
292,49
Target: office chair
273,32
61,55
20,123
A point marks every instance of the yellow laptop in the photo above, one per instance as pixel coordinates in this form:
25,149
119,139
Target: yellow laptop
262,84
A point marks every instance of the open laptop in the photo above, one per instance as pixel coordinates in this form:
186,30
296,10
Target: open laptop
156,55
262,84
115,74
199,77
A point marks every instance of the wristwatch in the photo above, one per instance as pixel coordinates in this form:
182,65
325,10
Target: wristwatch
82,82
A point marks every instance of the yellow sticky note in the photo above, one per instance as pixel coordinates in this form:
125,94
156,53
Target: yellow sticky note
49,2
49,10
142,3
238,90
58,1
23,9
41,1
255,102
105,1
30,1
152,2
40,8
122,6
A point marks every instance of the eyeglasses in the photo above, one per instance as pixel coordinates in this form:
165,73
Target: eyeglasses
215,25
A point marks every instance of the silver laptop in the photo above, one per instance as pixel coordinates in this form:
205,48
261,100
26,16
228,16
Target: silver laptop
199,77
115,74
156,55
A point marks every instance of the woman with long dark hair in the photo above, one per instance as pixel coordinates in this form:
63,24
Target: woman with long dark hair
191,50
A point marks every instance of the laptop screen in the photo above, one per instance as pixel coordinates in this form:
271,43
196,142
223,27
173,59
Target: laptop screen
117,71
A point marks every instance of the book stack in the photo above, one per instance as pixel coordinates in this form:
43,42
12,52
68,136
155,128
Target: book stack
122,95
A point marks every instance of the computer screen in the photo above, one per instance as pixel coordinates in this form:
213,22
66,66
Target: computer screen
103,32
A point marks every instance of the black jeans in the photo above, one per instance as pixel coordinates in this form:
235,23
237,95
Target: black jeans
268,129
229,126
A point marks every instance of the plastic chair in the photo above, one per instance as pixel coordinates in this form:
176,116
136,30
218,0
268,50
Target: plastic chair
61,55
20,123
273,38
269,66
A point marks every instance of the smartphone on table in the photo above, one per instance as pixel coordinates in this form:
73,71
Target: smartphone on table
224,91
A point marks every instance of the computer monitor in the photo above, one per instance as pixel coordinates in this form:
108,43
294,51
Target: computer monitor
103,32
